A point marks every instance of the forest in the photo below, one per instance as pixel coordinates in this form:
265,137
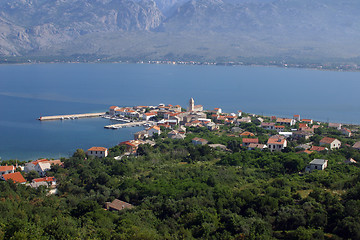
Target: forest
182,191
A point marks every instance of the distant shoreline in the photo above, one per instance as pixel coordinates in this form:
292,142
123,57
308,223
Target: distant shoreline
337,67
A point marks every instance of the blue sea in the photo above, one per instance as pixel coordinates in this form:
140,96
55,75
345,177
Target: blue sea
30,91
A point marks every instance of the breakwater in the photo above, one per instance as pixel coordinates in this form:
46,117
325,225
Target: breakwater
71,116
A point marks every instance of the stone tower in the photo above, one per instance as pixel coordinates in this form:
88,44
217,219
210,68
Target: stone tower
191,105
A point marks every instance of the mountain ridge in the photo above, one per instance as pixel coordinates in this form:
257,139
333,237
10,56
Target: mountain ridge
179,29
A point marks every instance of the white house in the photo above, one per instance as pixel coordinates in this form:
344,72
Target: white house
268,126
155,129
335,125
42,168
317,164
285,121
112,110
97,152
147,116
333,142
6,170
276,143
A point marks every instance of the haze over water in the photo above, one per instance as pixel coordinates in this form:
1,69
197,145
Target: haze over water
30,91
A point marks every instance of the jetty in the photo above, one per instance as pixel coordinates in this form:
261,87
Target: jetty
71,116
130,124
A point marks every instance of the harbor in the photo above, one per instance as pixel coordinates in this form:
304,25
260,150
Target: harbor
71,116
128,124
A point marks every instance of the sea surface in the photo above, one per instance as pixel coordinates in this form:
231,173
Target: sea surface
30,91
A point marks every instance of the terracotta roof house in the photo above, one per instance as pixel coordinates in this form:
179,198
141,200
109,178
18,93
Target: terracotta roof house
333,142
118,205
302,134
285,121
253,146
42,168
131,146
97,152
317,148
112,110
45,181
297,117
6,170
153,130
248,134
303,125
335,125
15,177
246,141
309,121
33,166
244,120
346,132
276,143
199,141
268,125
279,128
306,151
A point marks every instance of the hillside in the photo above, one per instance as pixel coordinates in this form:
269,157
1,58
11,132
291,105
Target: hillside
213,30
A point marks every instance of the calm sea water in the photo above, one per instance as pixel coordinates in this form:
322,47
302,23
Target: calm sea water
30,91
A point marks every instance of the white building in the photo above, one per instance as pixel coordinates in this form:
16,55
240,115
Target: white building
317,164
276,143
42,168
155,129
97,152
6,170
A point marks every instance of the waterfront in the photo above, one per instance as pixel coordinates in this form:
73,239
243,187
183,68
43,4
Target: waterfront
30,91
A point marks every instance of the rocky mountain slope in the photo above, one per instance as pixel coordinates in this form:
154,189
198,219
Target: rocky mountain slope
181,29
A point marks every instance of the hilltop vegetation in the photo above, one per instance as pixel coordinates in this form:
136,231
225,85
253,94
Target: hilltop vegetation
182,191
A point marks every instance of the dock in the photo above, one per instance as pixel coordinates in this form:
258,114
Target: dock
124,125
71,116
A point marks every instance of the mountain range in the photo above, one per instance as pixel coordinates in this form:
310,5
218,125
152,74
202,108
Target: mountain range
206,30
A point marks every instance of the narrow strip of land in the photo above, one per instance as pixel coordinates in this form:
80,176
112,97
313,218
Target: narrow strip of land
123,125
71,116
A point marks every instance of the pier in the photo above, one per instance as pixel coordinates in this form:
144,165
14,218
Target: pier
71,116
124,125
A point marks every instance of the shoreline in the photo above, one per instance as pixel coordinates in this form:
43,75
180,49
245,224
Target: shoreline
317,67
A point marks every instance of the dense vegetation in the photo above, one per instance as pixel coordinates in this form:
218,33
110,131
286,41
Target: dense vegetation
181,191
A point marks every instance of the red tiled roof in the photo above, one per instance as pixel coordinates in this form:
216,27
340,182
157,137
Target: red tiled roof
306,151
97,149
247,134
286,120
279,126
250,140
150,114
113,107
278,140
45,179
16,177
155,127
6,168
317,148
327,140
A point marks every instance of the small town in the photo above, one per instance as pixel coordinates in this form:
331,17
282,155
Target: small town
175,121
275,146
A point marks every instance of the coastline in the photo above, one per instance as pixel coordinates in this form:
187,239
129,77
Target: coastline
309,66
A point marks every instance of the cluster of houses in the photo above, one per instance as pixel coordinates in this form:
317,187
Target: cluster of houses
177,119
41,166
